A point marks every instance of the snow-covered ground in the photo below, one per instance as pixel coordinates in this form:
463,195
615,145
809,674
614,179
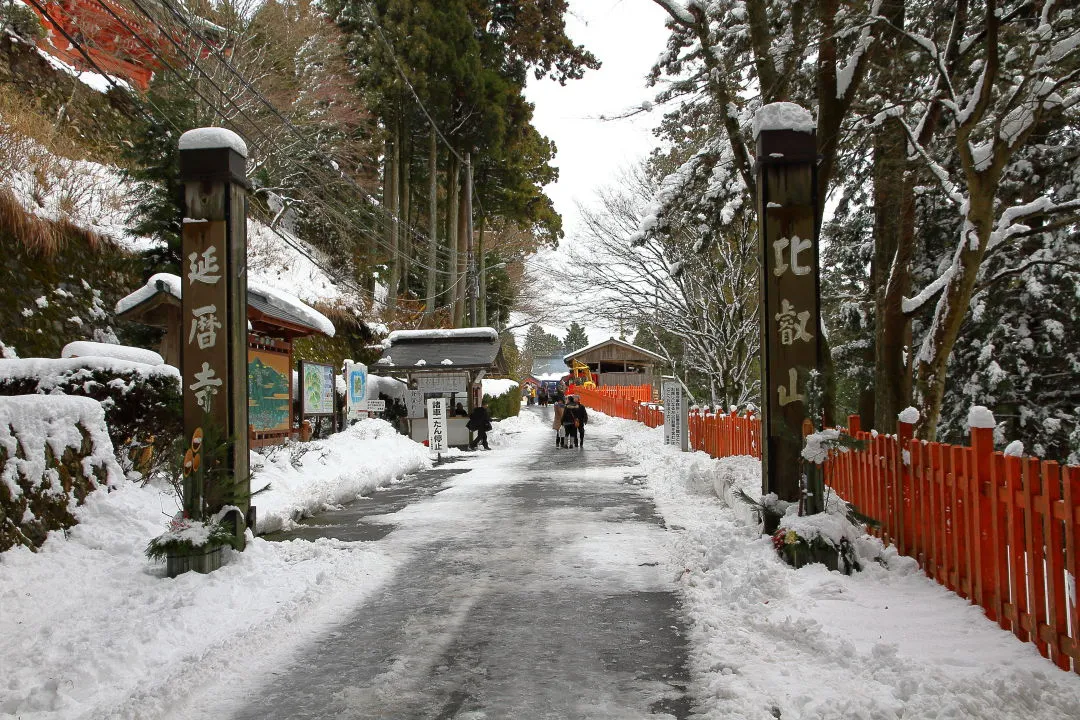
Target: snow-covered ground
91,629
884,643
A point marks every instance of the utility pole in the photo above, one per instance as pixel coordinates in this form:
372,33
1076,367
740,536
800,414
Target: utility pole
470,284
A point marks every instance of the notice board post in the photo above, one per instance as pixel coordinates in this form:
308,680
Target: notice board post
676,415
213,342
787,208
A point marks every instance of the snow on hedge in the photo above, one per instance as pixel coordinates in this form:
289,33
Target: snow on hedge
50,372
494,388
30,423
85,348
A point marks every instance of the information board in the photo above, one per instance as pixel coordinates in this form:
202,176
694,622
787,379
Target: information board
414,403
436,413
443,382
375,405
317,396
356,389
676,415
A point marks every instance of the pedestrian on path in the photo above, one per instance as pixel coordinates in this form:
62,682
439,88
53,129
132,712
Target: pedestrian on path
479,423
570,421
557,424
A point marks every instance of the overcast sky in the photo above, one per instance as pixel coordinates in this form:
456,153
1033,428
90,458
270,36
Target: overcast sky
627,36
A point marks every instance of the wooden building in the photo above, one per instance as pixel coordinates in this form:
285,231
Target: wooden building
275,321
442,363
617,362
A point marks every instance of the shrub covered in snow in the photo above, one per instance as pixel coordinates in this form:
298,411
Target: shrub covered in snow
503,398
53,452
142,404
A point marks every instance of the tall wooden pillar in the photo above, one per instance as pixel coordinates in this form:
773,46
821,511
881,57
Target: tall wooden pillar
790,306
213,336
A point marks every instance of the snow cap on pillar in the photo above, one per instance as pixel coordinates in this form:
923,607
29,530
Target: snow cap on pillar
783,116
213,138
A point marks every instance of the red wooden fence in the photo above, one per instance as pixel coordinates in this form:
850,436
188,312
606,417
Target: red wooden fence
1001,531
640,393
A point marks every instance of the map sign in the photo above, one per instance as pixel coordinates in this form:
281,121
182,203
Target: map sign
269,402
318,388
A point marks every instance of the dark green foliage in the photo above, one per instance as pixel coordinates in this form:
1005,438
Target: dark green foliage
153,158
21,20
140,411
575,338
48,499
506,405
54,295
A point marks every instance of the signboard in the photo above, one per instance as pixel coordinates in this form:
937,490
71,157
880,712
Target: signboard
676,415
790,312
414,403
316,388
436,413
269,400
355,388
375,405
442,382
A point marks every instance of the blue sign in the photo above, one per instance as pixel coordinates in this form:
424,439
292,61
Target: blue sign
356,382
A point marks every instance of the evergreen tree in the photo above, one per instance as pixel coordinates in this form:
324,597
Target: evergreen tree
575,338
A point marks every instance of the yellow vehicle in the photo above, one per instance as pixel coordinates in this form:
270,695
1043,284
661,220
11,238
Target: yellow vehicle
581,376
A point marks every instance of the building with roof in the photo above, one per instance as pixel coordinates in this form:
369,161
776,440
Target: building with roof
617,362
275,320
443,363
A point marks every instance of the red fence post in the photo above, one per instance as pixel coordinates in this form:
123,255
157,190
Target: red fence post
904,433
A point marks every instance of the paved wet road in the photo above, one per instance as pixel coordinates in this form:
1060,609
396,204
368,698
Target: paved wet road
536,587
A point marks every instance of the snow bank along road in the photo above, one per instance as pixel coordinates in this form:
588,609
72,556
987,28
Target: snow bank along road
523,583
537,584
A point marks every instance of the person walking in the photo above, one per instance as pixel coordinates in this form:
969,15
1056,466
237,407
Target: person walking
570,421
479,423
557,425
575,417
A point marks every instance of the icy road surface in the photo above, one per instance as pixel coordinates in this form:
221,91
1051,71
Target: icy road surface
538,584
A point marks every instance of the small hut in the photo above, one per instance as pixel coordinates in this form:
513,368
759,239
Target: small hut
275,320
442,363
617,362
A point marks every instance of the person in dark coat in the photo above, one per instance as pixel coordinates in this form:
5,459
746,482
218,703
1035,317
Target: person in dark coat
577,416
459,411
480,423
570,421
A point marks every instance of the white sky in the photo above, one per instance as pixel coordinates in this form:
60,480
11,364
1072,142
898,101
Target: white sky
627,36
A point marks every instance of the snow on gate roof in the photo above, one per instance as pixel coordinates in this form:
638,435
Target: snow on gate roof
441,350
613,341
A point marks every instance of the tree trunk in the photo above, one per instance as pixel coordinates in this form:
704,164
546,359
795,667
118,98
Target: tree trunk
405,242
452,211
392,262
432,290
460,268
482,318
952,308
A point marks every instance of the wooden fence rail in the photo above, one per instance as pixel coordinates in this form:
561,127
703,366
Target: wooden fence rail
1001,531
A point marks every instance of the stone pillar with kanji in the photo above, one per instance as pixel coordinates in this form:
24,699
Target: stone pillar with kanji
788,207
213,337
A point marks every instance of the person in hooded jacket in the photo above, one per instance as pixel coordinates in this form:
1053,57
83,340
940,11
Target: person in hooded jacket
577,416
557,424
570,421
